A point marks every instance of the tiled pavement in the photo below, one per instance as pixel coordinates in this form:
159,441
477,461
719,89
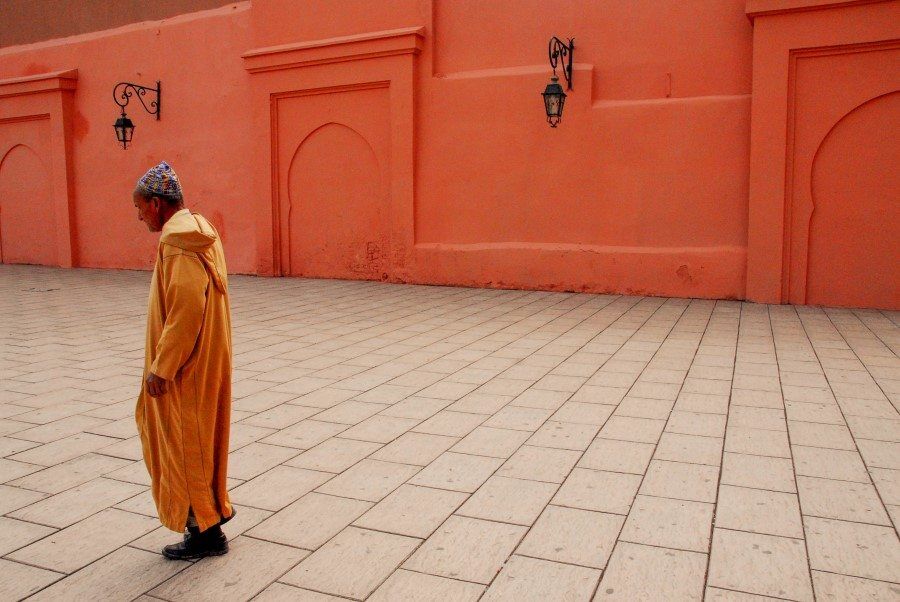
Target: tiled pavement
434,443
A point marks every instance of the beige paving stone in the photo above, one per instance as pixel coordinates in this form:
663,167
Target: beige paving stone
451,391
352,564
681,481
420,408
15,534
519,418
870,551
18,581
261,401
690,423
638,572
281,416
702,404
530,579
62,450
242,435
494,442
759,511
829,464
129,449
326,397
350,412
759,472
617,456
13,498
880,454
73,505
837,588
564,435
583,413
450,424
598,490
142,503
573,536
888,484
878,429
760,564
408,586
254,459
600,395
478,403
758,418
412,511
757,399
509,500
757,442
812,434
725,595
639,430
103,579
334,455
540,464
466,548
84,542
280,592
275,489
380,429
251,565
823,413
305,434
415,448
65,427
71,473
457,472
842,500
690,448
636,407
669,523
369,480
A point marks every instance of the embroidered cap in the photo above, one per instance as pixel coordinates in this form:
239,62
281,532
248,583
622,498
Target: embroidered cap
161,180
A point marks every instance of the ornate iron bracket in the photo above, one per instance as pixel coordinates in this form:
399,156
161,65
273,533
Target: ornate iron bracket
560,51
123,92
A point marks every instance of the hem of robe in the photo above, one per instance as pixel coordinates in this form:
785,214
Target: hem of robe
203,518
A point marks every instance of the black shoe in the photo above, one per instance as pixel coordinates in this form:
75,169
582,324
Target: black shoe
211,542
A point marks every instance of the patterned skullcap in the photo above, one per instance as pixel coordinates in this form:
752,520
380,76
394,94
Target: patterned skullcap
161,180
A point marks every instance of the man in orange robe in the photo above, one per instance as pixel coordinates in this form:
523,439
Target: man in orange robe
183,411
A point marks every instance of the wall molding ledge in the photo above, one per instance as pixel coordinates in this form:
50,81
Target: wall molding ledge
36,84
375,44
762,8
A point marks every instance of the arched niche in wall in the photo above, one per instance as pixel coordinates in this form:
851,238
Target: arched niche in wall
854,247
35,175
337,218
27,220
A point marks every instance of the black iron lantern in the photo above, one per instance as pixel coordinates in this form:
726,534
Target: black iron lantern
124,129
122,93
554,97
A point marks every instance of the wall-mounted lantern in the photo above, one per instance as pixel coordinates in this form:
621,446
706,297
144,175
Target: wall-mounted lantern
554,97
122,93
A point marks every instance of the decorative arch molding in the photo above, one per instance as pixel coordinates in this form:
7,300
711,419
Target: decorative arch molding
384,60
40,98
788,37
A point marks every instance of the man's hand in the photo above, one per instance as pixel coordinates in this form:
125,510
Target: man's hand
156,386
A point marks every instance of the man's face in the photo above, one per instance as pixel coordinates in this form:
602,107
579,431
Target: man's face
148,211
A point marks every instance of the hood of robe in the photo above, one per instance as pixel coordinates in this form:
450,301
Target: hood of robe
191,232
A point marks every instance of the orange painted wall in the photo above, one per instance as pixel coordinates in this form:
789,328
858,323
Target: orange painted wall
644,188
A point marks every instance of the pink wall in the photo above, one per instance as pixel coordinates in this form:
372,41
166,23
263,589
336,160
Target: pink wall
452,174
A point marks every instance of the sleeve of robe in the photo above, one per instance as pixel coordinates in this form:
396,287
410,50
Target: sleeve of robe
185,282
